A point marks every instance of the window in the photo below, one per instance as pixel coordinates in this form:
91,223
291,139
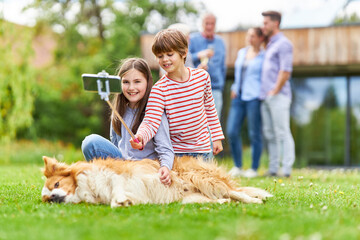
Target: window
319,120
354,121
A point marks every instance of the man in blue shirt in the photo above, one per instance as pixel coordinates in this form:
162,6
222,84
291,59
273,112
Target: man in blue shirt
276,95
208,52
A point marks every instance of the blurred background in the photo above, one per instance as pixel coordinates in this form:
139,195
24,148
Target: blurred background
45,46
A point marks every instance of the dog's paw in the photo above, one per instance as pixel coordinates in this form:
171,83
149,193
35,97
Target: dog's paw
121,203
256,200
223,200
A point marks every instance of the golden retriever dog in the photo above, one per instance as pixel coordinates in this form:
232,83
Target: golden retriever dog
123,183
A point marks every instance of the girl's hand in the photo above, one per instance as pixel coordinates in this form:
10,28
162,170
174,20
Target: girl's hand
272,92
136,145
217,147
165,176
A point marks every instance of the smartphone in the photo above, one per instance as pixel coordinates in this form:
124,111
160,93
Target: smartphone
90,82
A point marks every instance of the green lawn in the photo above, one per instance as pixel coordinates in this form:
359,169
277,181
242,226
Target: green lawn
311,205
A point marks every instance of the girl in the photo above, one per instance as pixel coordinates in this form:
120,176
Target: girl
136,83
184,94
245,102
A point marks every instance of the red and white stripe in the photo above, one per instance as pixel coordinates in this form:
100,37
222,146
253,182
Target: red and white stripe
190,110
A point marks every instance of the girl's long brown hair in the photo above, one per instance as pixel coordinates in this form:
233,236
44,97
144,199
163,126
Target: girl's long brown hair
120,102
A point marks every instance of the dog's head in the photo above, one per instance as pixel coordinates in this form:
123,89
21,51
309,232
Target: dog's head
60,181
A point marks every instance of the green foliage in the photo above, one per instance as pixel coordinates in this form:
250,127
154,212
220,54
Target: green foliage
327,131
26,152
63,111
94,38
346,19
355,139
17,85
69,120
140,12
322,139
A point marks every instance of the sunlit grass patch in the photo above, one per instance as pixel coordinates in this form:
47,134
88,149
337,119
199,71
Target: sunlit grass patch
312,204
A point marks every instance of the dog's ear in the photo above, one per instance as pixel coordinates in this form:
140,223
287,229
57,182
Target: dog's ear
49,164
52,166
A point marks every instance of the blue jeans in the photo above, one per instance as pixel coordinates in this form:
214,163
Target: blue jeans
218,99
96,146
205,156
238,111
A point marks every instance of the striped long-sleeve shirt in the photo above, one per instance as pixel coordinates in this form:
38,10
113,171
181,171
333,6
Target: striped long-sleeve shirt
190,109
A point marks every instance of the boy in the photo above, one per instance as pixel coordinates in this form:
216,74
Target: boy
185,96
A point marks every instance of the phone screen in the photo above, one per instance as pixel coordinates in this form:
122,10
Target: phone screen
90,82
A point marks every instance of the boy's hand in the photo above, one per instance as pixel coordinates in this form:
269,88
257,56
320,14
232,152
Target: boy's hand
217,147
165,175
135,145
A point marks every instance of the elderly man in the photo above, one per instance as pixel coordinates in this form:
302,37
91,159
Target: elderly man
208,52
276,96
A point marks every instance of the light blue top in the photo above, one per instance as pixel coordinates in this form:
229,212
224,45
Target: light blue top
249,82
278,57
158,147
216,64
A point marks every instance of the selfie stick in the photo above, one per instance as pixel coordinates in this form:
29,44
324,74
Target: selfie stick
105,97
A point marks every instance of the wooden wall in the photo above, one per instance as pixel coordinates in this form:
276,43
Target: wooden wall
313,47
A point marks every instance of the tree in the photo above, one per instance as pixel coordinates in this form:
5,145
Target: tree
330,98
346,19
17,83
91,36
109,25
323,136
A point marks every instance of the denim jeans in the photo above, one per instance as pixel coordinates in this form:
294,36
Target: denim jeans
275,112
96,146
218,99
205,156
240,109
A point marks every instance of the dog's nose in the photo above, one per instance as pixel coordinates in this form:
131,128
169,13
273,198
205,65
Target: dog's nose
56,198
